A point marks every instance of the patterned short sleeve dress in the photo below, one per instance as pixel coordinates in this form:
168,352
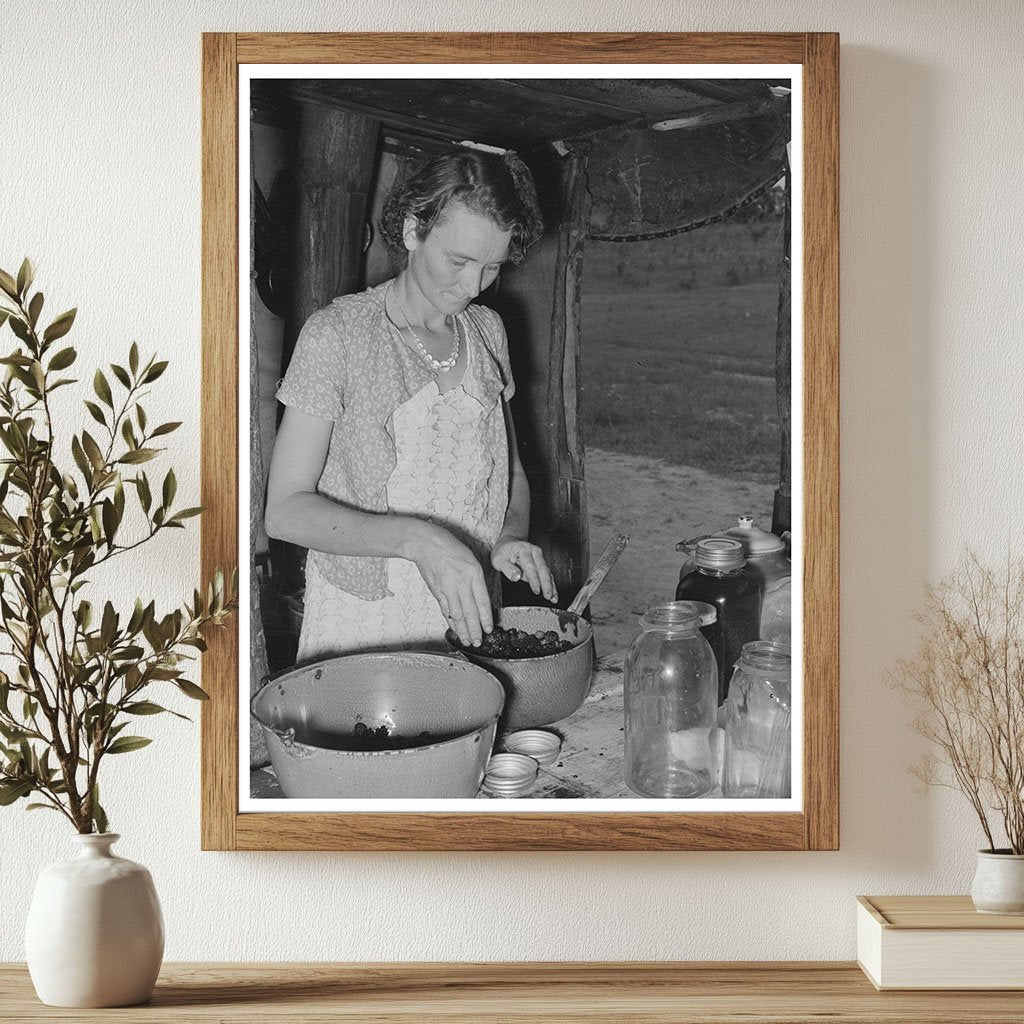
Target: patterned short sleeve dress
451,466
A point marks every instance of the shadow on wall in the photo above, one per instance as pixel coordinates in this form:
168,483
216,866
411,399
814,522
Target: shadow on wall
887,206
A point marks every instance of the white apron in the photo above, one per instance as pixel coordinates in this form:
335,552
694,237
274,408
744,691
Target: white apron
446,472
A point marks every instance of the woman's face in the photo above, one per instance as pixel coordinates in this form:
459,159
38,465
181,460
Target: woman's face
458,259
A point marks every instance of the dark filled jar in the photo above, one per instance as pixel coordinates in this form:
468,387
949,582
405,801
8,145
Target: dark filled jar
719,578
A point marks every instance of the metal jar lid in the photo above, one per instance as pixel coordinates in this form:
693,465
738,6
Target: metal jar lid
510,774
540,744
721,553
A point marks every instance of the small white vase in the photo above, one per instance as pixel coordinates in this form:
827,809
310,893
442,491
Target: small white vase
95,933
999,882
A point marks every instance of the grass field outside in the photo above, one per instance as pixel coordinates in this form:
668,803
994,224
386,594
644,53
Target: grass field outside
678,351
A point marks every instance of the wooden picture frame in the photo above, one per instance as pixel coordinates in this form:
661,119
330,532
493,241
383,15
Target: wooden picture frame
816,826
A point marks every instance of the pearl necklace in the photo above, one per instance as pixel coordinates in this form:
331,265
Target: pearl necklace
437,365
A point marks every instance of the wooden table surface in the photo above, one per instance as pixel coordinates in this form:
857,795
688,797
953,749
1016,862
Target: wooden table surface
523,993
590,761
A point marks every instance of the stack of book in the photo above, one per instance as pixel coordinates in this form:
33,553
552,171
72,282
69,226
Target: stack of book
938,942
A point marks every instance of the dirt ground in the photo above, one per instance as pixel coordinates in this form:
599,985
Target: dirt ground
657,505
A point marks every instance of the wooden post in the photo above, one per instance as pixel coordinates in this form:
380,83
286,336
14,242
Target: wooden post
258,668
334,174
539,303
337,155
782,511
570,555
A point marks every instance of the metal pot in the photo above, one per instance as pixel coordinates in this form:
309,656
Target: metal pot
539,691
309,716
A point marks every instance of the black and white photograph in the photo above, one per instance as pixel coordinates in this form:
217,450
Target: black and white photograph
525,506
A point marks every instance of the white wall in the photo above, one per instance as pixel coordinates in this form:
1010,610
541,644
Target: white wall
100,183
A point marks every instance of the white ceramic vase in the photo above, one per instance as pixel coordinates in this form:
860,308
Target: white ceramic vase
999,882
95,933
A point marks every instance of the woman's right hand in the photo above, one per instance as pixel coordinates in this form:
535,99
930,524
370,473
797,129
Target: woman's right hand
455,578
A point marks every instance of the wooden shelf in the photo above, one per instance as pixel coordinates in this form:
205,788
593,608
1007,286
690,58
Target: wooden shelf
524,993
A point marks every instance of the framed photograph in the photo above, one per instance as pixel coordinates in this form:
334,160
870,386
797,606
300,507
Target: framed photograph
484,317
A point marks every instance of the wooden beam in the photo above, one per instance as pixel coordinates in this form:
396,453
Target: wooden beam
389,118
686,120
550,98
724,114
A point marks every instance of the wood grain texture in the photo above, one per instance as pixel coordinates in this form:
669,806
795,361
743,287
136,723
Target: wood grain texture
337,155
817,828
487,831
521,47
219,429
936,912
524,993
821,441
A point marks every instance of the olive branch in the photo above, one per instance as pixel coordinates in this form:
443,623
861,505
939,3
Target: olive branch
81,674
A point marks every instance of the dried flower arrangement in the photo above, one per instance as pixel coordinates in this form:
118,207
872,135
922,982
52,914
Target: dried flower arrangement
967,682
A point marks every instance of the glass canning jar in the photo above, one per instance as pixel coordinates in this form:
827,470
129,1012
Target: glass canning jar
670,684
719,577
756,751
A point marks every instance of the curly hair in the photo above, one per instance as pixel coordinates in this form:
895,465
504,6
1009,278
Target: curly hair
498,186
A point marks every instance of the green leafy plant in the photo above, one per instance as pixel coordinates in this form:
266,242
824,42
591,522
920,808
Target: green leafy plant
966,682
80,673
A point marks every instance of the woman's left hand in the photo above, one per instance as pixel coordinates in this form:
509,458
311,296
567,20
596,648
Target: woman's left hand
519,559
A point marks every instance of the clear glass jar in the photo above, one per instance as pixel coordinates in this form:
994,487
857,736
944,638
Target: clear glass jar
670,683
776,612
756,751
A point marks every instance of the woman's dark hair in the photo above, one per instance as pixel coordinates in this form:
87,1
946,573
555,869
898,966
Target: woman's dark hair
498,186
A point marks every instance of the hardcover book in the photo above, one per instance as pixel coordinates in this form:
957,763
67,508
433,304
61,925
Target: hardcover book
938,942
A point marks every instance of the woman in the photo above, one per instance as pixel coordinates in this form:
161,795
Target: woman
395,462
